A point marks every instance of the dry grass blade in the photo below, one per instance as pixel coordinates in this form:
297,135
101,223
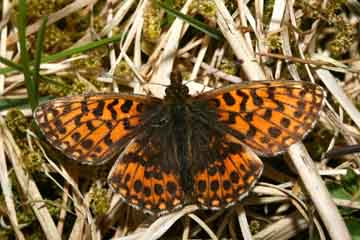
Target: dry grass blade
56,16
318,192
277,15
28,186
118,17
283,229
244,226
330,82
7,192
238,43
160,226
204,226
3,38
347,203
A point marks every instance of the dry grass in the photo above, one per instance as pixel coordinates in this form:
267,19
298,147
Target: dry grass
314,41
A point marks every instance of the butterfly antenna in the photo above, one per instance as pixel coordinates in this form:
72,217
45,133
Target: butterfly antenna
189,81
159,84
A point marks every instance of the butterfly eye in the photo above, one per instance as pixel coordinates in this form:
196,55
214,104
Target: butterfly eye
184,90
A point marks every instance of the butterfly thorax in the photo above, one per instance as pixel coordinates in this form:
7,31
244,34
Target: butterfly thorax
176,93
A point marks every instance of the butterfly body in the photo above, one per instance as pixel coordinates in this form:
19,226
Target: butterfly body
183,149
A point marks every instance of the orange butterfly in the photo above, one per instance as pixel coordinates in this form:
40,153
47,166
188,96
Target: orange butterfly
183,149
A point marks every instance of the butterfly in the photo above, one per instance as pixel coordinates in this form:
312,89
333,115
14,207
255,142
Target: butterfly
183,149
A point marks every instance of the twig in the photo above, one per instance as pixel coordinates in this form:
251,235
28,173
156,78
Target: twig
318,193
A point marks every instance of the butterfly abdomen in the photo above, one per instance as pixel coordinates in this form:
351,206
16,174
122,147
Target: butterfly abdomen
181,131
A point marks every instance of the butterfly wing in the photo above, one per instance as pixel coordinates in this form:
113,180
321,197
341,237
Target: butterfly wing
92,128
224,171
267,116
146,175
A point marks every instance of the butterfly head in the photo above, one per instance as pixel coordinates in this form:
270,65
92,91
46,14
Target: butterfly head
176,92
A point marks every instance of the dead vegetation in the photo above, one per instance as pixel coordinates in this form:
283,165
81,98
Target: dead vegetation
45,196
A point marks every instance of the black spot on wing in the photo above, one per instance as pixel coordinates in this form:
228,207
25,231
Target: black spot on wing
285,122
258,101
111,106
84,107
229,100
76,136
274,132
244,99
90,126
88,143
126,106
267,115
98,111
59,126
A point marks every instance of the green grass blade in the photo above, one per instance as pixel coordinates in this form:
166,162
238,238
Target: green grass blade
11,65
193,22
38,54
25,62
18,103
80,49
69,52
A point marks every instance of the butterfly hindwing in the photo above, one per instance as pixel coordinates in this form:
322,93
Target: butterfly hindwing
268,116
147,176
231,170
92,128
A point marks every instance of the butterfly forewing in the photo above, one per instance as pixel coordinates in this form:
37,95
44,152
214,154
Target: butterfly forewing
92,128
268,116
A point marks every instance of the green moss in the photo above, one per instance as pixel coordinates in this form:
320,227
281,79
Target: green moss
100,201
55,40
206,8
54,207
179,4
268,10
255,226
35,234
17,123
99,23
32,160
123,72
152,23
228,66
274,42
58,88
343,40
340,43
25,216
92,62
6,234
40,8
